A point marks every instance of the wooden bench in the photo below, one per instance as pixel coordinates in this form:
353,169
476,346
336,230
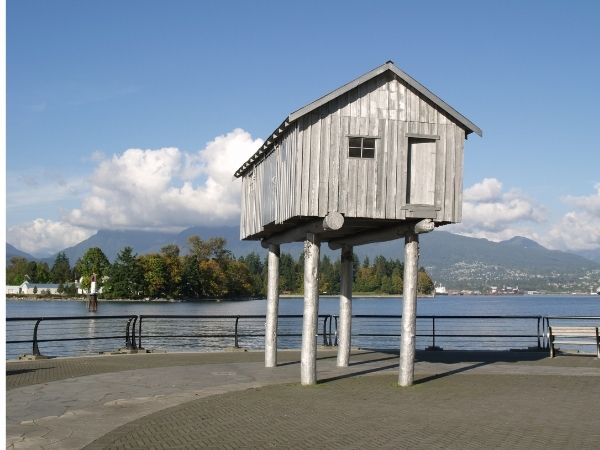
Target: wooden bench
573,336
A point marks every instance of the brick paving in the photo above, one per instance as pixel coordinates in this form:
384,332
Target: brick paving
474,412
462,400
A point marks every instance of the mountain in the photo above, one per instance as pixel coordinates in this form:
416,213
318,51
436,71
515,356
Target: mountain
11,251
592,255
460,261
113,241
454,260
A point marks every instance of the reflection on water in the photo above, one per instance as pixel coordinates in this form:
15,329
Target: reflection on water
219,334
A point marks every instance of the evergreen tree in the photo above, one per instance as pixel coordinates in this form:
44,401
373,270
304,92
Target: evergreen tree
61,269
288,276
424,282
126,277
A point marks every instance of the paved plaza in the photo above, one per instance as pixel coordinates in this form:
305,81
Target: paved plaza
229,400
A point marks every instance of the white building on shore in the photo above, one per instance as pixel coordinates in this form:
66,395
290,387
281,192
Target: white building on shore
27,287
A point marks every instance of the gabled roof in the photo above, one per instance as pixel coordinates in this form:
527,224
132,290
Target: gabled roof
469,126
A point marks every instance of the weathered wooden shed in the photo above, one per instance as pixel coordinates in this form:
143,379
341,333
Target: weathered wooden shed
376,159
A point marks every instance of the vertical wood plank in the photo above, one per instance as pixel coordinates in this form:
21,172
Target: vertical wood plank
363,94
343,152
380,170
423,117
383,99
371,169
458,183
352,186
440,174
334,166
325,161
305,174
392,158
315,154
393,99
402,102
450,161
354,103
401,179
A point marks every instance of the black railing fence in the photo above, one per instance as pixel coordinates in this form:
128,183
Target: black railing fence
77,335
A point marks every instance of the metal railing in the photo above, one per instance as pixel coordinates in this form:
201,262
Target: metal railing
222,331
62,336
68,334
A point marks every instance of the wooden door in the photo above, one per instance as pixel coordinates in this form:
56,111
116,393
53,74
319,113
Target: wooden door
421,172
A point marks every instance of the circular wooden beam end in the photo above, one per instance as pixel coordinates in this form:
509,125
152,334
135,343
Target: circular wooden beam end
333,221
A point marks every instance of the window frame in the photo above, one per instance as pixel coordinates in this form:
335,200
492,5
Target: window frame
362,146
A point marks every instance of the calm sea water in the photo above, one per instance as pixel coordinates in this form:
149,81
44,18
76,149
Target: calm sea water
572,305
215,335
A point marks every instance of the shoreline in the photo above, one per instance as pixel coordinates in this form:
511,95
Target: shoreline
281,296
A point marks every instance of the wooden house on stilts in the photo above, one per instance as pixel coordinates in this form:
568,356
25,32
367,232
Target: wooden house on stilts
377,159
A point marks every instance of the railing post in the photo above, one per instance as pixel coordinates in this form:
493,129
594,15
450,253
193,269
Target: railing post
538,328
236,344
127,341
325,330
36,348
140,333
433,331
133,345
336,331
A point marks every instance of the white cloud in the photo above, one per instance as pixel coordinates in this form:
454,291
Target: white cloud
578,229
138,189
491,213
167,188
43,237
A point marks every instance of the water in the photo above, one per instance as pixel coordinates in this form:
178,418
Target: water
218,334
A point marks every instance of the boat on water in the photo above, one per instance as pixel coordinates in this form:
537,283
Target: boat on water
440,290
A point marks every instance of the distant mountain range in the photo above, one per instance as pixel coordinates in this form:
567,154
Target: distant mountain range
454,260
11,251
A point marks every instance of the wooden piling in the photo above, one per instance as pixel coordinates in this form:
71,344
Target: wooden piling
409,310
308,357
345,325
272,307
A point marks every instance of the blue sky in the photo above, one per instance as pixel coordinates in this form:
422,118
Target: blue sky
86,81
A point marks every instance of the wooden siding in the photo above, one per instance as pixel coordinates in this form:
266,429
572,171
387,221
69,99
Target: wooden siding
309,172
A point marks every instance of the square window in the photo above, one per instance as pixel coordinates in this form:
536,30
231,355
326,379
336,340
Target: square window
361,147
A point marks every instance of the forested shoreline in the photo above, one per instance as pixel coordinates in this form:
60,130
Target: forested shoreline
208,270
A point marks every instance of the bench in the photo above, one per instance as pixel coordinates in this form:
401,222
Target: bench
573,336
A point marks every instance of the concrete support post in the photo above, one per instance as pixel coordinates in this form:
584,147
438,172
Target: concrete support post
308,357
345,325
272,307
409,311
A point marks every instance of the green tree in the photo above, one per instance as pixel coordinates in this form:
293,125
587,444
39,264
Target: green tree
17,270
173,266
92,261
424,282
61,269
255,270
397,280
239,281
125,276
288,274
156,275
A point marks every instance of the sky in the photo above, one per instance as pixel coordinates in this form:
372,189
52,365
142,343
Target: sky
134,115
